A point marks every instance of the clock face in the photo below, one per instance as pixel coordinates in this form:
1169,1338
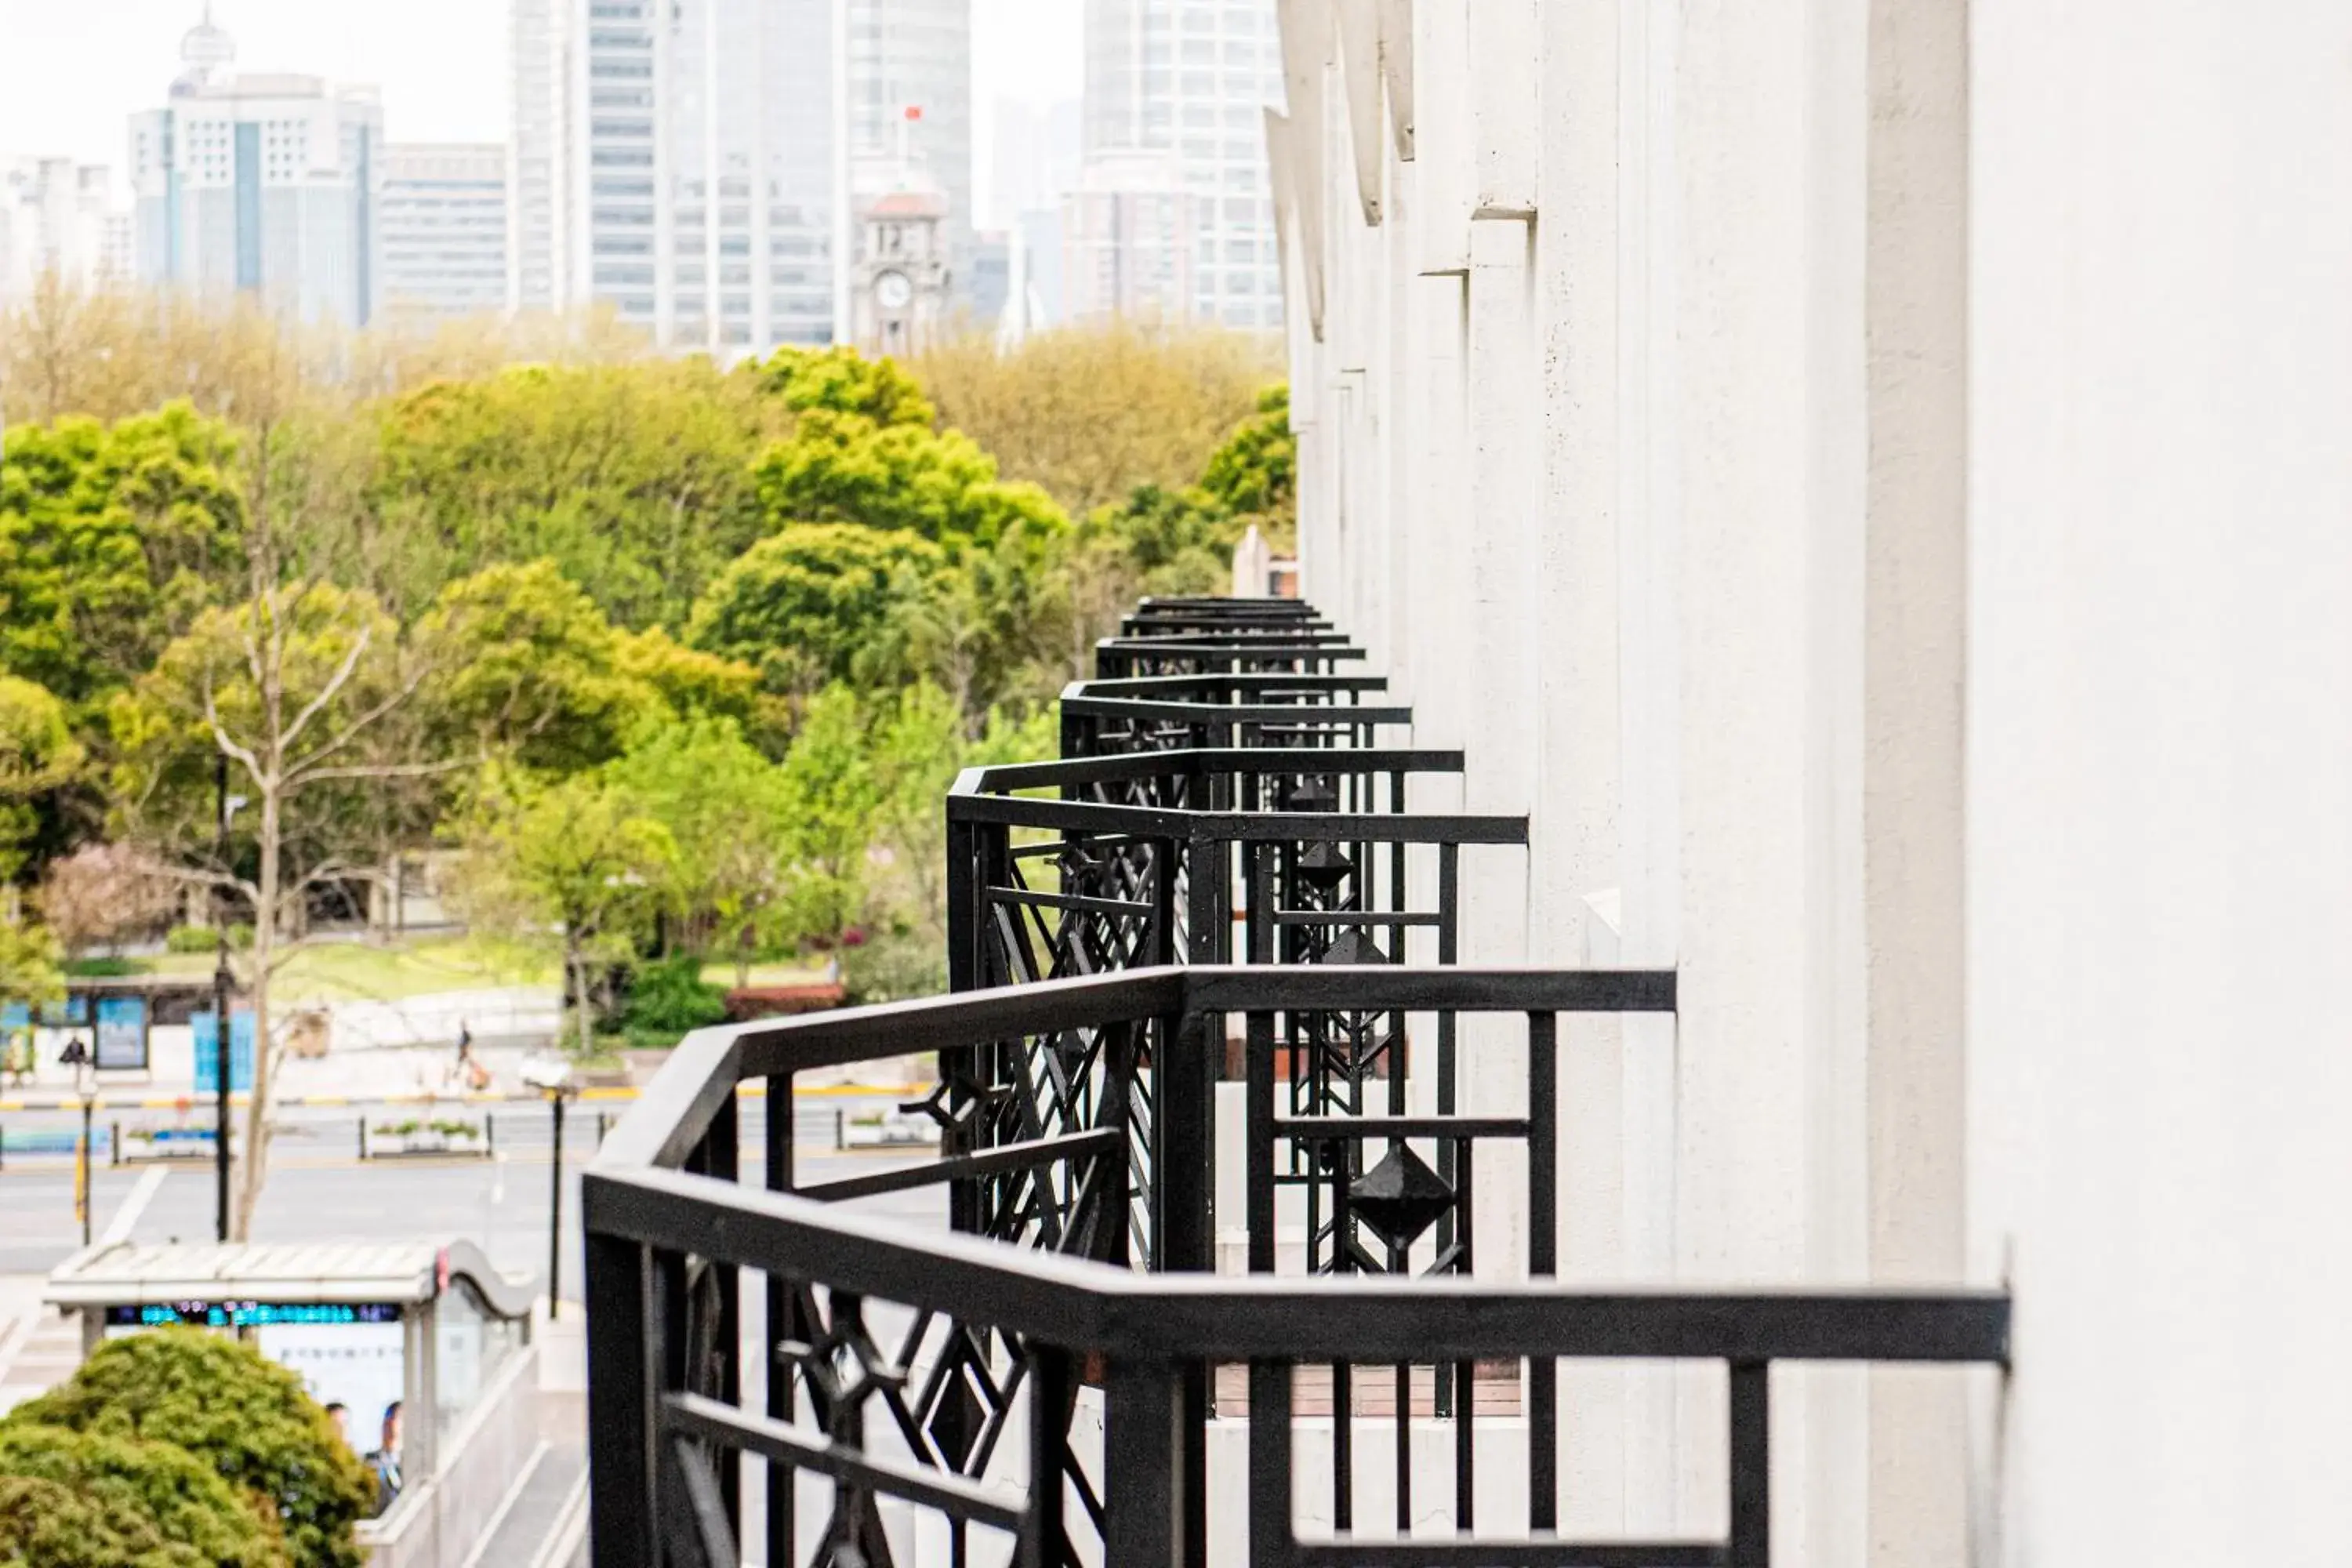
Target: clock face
893,290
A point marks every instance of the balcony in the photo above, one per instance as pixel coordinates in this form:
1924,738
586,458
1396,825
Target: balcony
1230,1273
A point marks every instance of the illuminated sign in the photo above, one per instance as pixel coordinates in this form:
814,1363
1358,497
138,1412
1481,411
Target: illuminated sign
251,1314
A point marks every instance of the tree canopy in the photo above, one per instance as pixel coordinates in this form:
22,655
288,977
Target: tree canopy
245,1419
110,538
91,1500
661,659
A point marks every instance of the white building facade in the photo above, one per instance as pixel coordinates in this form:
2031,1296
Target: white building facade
677,160
445,228
1867,476
57,216
696,165
1126,240
265,183
541,124
1185,83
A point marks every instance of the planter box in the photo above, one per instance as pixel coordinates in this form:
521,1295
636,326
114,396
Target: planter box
425,1145
168,1144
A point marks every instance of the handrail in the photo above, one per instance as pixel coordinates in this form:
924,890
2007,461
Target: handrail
1079,1110
1018,1321
1093,1306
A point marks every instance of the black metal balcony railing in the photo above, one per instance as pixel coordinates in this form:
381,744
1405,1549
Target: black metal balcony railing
1042,1384
1224,651
1211,712
955,1374
1154,617
1318,856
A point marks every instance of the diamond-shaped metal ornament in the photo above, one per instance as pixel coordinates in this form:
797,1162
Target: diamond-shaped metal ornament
1325,866
1353,946
957,1420
1314,791
1399,1198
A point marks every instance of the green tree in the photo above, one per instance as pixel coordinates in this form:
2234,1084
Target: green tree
634,479
830,799
803,603
727,813
38,754
581,859
29,970
975,628
689,682
1090,412
844,381
86,1499
525,665
250,1421
110,539
301,690
1255,474
844,468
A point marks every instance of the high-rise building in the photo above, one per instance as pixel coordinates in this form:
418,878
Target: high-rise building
910,74
445,228
1126,240
1033,158
540,143
57,216
676,160
1040,265
1187,81
266,183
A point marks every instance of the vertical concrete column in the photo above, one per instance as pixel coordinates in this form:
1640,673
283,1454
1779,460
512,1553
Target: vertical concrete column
1915,682
1770,123
1574,839
1505,643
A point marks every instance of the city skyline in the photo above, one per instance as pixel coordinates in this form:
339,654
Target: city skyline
73,75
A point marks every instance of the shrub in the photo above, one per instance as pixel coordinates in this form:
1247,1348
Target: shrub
893,967
205,939
86,1499
668,1000
249,1420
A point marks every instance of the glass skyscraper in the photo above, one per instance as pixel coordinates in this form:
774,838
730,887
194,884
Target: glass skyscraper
1181,86
268,184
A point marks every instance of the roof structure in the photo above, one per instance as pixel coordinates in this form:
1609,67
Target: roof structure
126,1273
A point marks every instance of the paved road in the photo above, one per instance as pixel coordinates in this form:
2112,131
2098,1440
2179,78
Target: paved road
318,1190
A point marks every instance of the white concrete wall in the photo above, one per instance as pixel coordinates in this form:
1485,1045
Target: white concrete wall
1869,477
2159,859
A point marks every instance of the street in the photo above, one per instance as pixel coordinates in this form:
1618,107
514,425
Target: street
319,1189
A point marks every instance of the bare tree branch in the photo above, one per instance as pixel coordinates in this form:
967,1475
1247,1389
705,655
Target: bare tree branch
229,747
328,690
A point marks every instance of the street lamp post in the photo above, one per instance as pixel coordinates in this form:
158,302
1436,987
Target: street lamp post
77,1056
220,1005
553,1078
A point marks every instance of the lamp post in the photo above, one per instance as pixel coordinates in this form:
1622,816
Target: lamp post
77,1056
226,805
552,1076
220,1005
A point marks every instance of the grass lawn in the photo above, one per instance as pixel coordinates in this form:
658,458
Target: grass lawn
356,971
784,972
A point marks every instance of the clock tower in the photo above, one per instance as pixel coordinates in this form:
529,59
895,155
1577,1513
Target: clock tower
899,289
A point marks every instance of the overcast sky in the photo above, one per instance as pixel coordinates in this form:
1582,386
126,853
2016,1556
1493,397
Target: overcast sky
71,71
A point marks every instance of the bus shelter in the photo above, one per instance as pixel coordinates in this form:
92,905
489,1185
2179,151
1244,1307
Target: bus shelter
430,1324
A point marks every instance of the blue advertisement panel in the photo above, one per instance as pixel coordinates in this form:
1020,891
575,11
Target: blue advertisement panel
240,1052
122,1033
